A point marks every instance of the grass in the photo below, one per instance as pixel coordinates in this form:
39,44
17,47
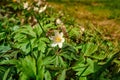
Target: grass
103,13
90,50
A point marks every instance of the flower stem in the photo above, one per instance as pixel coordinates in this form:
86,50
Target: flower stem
38,22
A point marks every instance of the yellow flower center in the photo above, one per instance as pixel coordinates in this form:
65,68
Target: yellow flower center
58,39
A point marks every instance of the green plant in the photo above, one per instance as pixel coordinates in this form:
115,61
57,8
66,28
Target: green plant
26,52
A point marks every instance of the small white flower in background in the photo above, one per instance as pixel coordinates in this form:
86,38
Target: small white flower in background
82,29
42,9
28,8
39,3
36,9
58,21
57,39
35,0
25,5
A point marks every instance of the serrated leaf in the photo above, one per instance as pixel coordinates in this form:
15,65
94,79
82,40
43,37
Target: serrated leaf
41,46
48,60
84,69
66,56
27,67
2,36
8,62
4,48
25,47
41,73
90,68
62,75
89,48
62,63
37,30
45,39
6,74
48,76
82,78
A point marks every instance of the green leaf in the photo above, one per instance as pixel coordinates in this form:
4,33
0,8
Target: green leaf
66,56
41,73
45,39
56,61
2,36
37,30
27,67
41,46
84,69
27,29
102,55
89,48
62,63
12,62
6,74
25,47
82,78
48,76
4,48
90,68
2,71
19,37
48,60
62,75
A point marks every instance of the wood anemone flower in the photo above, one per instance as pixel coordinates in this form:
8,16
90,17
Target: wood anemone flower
25,5
57,39
42,9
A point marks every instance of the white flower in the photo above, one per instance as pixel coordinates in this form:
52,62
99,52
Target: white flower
36,9
25,5
39,3
82,28
57,39
42,9
58,21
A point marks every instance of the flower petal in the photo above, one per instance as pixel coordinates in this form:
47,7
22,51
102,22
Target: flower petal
43,9
61,34
53,44
60,45
63,40
51,38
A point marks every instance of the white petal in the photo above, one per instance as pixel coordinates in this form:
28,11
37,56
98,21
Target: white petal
36,8
43,9
53,44
25,5
51,38
39,3
61,34
58,21
60,45
63,40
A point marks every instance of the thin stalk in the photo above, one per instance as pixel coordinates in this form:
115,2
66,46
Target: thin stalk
38,22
